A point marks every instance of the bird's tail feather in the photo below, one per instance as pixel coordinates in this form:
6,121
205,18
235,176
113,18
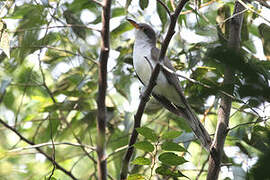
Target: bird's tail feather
191,119
197,127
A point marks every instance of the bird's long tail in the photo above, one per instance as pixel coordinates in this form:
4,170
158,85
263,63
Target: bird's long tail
191,118
197,127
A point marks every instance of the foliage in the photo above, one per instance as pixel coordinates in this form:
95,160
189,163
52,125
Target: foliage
48,89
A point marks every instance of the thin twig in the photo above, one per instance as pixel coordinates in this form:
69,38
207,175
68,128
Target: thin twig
52,97
58,166
209,87
62,50
55,27
201,6
247,7
98,2
248,123
117,151
23,95
202,168
50,144
171,31
165,7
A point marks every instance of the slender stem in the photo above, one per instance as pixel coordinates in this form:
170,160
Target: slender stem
165,7
137,121
58,166
154,159
102,87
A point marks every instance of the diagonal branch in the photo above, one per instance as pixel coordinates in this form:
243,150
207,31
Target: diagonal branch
102,87
58,166
226,102
148,91
50,144
171,31
137,121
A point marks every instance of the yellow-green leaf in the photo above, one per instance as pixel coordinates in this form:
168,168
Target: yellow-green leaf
141,161
145,146
147,133
171,134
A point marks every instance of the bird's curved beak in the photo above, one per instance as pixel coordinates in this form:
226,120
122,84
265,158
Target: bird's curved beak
136,25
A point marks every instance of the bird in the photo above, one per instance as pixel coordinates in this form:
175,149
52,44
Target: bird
167,89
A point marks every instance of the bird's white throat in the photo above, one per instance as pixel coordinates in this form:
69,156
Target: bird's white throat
142,59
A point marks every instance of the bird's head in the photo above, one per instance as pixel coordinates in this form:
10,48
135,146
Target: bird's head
143,32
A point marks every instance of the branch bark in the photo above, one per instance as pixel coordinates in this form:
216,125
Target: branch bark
225,104
137,121
58,166
148,91
102,87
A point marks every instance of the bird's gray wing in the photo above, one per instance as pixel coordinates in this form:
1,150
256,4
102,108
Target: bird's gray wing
186,111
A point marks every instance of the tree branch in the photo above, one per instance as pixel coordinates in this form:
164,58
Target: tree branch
49,144
171,31
58,166
102,87
55,27
137,121
225,104
148,91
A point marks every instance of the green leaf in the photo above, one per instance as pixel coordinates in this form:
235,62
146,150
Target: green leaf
147,133
9,99
128,2
30,15
171,134
171,146
165,171
135,177
145,146
162,14
141,161
118,12
123,27
52,178
143,4
171,159
51,129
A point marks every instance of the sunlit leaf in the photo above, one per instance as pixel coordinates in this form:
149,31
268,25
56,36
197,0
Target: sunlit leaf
136,177
171,159
141,161
171,134
145,146
166,171
147,133
123,27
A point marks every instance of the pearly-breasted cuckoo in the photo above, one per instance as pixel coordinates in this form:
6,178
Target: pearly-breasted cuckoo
167,90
